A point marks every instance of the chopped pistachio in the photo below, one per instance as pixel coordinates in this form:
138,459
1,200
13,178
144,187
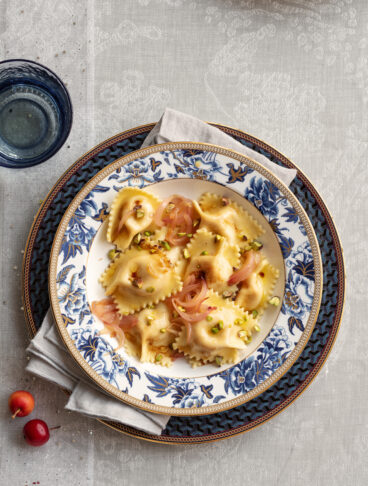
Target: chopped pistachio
242,334
139,214
162,330
215,330
150,289
181,234
189,235
204,252
158,357
209,318
175,314
186,253
218,360
137,238
218,238
256,328
147,233
220,324
238,322
274,301
170,207
111,254
137,282
254,313
227,293
256,245
166,245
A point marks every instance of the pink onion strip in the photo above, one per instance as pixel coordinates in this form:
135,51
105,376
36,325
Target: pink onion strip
251,261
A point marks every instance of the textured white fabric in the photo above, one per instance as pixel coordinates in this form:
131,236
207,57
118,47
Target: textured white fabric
180,127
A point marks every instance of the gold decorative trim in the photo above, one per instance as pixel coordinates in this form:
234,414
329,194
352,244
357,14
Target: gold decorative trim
157,408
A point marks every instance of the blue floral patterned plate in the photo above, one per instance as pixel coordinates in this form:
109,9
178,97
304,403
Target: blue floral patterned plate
75,268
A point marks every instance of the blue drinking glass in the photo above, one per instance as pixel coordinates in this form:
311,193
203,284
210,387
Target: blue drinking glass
35,113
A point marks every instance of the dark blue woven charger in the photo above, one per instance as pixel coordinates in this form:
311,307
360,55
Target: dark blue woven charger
197,429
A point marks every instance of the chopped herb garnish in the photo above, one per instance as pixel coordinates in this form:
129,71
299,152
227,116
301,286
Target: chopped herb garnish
238,322
254,313
150,289
215,330
256,328
166,245
139,214
137,282
218,360
137,238
181,234
209,318
218,238
256,245
111,254
147,233
189,235
227,293
274,301
220,324
170,207
186,253
204,252
158,357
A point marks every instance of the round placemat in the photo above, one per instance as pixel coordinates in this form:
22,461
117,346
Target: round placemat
200,429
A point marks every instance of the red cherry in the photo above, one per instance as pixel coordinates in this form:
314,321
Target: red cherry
36,432
21,403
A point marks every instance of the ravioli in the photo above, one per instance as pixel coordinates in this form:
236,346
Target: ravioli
150,339
256,290
132,211
210,321
137,278
213,256
220,338
224,217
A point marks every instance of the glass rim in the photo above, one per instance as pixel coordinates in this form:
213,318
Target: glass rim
13,164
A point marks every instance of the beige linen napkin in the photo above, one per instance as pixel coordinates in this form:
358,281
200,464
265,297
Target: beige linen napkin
49,357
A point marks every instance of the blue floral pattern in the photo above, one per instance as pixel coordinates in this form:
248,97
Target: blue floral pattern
117,368
254,370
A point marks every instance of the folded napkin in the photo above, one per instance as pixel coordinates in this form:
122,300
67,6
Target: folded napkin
49,357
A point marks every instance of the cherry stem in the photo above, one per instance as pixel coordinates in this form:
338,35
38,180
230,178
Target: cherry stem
15,413
56,427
